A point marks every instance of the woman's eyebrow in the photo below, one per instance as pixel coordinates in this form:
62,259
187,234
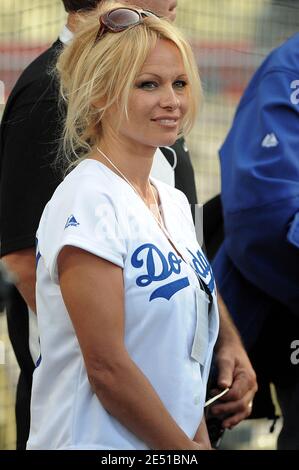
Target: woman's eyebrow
152,74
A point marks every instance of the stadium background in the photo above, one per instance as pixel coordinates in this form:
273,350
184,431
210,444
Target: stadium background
230,39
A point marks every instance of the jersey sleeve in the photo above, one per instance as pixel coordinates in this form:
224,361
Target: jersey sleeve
260,189
84,216
30,132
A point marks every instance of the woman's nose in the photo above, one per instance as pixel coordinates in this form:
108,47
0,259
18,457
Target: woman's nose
169,99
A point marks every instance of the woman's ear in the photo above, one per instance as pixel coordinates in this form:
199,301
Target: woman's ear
99,101
99,104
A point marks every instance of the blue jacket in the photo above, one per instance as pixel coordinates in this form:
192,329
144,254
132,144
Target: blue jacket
258,263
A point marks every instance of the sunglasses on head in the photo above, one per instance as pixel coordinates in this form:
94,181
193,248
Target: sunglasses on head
119,19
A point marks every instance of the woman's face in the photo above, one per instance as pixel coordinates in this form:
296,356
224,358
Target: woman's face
165,8
157,103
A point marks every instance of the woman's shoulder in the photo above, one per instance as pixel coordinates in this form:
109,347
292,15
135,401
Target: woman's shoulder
86,188
90,171
88,177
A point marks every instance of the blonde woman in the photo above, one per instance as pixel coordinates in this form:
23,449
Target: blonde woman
125,297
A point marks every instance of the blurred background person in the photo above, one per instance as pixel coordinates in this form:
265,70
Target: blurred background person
257,265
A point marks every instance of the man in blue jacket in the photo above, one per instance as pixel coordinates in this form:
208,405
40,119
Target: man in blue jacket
257,266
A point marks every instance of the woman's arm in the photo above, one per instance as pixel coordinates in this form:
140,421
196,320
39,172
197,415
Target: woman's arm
92,289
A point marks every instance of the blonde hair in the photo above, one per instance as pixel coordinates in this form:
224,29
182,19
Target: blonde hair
95,75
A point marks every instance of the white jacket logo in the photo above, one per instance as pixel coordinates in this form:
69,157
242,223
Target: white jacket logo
270,141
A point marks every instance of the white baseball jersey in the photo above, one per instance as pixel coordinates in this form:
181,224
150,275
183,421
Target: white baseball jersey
169,333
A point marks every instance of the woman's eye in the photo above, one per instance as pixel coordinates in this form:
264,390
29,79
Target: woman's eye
180,84
148,85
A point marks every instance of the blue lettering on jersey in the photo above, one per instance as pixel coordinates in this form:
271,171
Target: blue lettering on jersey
170,289
144,255
38,255
71,222
203,269
39,360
